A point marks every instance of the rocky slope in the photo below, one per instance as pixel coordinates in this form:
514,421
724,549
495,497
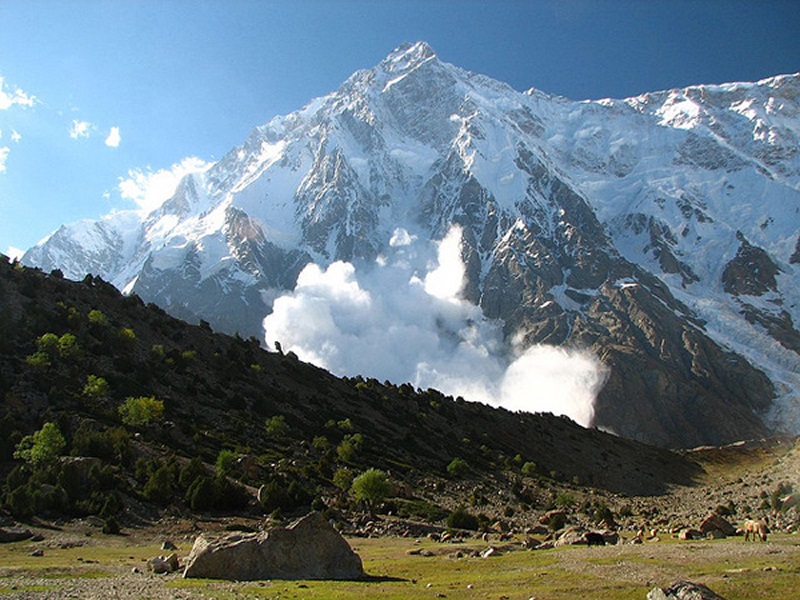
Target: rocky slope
659,232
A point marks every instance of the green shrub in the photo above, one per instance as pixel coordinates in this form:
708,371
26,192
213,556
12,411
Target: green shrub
140,411
41,447
603,513
48,343
96,387
274,496
229,495
110,444
529,469
460,518
371,487
126,334
277,426
343,478
226,460
320,443
458,467
190,472
556,521
96,317
68,347
38,360
160,488
111,526
564,500
200,494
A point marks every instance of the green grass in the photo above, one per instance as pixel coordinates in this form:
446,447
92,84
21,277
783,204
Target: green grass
624,572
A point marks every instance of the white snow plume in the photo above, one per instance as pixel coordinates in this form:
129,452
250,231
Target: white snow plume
402,319
149,189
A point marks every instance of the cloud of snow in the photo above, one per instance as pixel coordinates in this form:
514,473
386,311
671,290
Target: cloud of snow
14,253
4,152
150,189
402,319
9,98
80,129
114,138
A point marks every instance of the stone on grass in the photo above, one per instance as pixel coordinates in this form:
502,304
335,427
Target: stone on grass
309,548
683,590
14,534
714,522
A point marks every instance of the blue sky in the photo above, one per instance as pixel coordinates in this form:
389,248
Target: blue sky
102,102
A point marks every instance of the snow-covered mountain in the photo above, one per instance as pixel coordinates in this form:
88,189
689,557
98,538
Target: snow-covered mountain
660,232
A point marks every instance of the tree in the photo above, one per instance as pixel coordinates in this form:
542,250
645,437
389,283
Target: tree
277,426
41,447
371,488
96,387
458,467
141,411
97,317
225,461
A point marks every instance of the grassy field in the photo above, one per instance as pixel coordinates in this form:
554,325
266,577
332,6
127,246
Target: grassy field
731,567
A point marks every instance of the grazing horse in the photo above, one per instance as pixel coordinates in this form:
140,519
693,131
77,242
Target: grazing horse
756,528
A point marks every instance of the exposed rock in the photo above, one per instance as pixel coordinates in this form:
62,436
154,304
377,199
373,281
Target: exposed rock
683,590
714,522
571,536
751,272
551,514
14,534
691,534
309,548
164,564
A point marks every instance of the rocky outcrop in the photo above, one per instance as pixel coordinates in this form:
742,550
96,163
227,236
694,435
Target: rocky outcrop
309,548
751,272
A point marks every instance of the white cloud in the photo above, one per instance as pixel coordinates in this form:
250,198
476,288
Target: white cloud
80,129
10,98
15,136
114,138
14,253
149,189
401,237
4,150
401,319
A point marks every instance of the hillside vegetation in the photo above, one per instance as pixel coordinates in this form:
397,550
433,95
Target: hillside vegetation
111,407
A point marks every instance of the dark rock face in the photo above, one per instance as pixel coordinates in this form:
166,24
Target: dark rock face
751,272
309,548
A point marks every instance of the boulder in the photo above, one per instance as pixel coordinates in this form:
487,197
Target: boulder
714,522
14,534
309,548
683,590
690,534
571,536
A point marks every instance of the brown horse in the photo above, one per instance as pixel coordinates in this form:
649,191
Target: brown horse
756,528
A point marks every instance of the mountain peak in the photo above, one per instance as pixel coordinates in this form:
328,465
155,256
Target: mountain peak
407,57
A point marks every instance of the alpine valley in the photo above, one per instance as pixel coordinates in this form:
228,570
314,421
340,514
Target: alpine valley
660,232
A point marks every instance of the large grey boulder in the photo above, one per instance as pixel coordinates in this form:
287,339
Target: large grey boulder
683,590
309,548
